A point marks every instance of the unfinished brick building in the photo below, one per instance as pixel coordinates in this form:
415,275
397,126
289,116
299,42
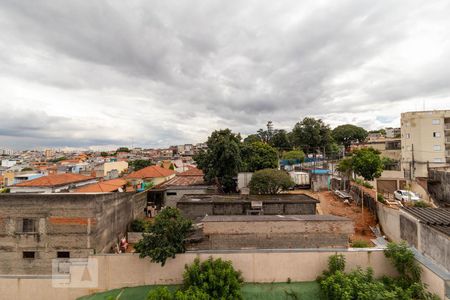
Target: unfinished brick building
36,228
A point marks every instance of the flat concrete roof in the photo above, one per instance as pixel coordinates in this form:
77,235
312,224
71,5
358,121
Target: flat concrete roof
272,218
224,199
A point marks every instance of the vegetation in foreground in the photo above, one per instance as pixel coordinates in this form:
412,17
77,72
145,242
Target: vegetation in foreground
164,238
360,284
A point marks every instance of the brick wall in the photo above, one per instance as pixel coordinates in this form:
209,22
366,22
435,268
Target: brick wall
82,224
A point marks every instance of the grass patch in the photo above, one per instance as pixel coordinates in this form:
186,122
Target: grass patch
250,291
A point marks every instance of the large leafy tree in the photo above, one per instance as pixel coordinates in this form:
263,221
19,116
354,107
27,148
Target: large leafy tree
311,135
257,156
367,163
164,238
139,164
348,134
252,138
270,182
222,161
280,140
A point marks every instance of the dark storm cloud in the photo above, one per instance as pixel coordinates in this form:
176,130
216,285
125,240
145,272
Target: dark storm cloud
169,71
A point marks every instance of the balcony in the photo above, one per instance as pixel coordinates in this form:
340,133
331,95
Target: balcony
447,139
447,126
447,153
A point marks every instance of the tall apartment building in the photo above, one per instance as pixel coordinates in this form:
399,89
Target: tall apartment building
425,141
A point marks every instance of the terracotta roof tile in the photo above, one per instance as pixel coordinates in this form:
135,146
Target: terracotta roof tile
103,186
192,171
55,180
183,181
151,172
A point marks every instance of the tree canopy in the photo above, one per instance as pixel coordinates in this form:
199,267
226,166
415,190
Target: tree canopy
257,156
139,164
280,140
367,163
348,133
270,182
311,135
294,155
164,238
222,160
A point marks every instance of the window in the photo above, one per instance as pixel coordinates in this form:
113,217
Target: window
171,193
436,134
408,135
437,147
28,225
63,254
29,254
436,122
438,160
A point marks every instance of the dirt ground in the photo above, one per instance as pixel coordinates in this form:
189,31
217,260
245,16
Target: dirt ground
332,205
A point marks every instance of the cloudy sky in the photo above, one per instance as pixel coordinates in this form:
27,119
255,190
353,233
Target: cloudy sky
156,73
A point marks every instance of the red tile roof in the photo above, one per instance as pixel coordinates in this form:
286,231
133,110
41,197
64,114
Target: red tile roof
103,186
55,180
192,171
182,181
151,172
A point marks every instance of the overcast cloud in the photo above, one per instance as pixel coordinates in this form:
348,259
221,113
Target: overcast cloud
157,73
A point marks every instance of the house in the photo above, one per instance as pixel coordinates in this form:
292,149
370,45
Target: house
108,168
53,183
107,186
188,182
153,174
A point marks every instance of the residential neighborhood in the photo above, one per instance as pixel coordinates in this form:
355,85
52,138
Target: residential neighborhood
224,150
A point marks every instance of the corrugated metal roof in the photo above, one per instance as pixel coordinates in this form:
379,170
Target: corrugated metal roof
430,216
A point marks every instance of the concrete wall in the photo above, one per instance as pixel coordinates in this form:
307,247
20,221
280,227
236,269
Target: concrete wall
172,200
439,185
116,271
389,220
325,232
195,210
82,224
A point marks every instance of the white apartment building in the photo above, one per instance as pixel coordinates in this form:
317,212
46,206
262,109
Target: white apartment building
425,142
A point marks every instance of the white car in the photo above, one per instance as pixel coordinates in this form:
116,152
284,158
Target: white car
403,195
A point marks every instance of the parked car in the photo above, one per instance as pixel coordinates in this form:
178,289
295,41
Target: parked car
403,195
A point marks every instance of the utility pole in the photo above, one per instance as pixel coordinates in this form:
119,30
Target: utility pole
413,161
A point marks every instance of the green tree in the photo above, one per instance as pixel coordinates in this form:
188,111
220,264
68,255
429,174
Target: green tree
294,156
103,154
123,149
311,135
345,166
164,238
215,277
139,164
222,161
404,261
270,182
252,138
26,169
280,140
367,163
257,156
348,134
172,167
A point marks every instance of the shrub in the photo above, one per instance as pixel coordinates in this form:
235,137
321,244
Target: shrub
361,285
215,277
360,244
270,182
139,225
164,238
404,261
420,203
380,198
363,183
160,293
